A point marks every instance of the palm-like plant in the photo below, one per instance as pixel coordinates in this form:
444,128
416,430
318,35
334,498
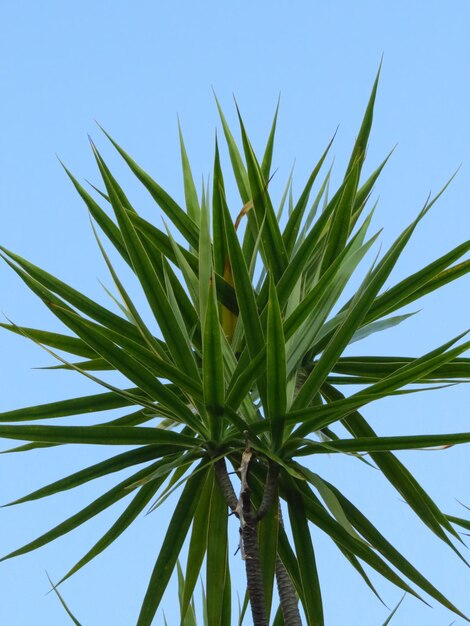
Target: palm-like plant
248,376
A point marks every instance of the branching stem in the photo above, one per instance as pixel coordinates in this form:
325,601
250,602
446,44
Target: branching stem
226,485
270,491
249,519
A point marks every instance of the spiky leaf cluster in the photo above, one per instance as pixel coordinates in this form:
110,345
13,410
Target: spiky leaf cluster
245,351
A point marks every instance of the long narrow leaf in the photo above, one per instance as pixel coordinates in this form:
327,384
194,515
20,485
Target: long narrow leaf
356,313
276,369
180,219
137,505
311,597
217,548
171,546
198,543
213,371
100,435
94,508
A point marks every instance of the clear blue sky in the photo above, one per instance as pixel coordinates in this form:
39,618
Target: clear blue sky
134,66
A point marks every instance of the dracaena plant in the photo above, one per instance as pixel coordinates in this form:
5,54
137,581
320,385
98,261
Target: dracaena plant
240,380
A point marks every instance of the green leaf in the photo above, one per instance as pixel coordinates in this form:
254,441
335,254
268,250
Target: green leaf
212,363
106,223
150,281
287,194
364,191
45,285
227,599
339,228
431,277
109,466
276,369
459,521
360,146
322,194
238,167
417,369
268,152
171,546
311,597
389,618
315,305
379,326
183,306
115,494
101,435
163,243
177,462
129,307
380,444
306,321
129,366
302,257
218,229
137,505
64,408
394,556
295,219
180,219
189,618
318,417
268,540
72,345
179,476
273,244
398,475
91,365
330,499
354,561
192,202
158,364
217,548
133,419
379,367
198,542
418,285
117,189
246,297
187,327
242,609
63,603
356,313
319,516
205,260
278,619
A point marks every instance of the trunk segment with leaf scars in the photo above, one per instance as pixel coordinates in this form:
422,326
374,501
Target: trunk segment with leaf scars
249,519
242,508
287,595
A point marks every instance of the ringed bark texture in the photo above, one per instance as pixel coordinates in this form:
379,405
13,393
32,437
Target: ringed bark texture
226,484
287,596
253,569
270,491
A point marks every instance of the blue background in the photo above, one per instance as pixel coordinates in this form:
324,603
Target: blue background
133,66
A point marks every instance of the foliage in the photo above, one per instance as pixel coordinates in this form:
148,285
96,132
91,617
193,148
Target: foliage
249,370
